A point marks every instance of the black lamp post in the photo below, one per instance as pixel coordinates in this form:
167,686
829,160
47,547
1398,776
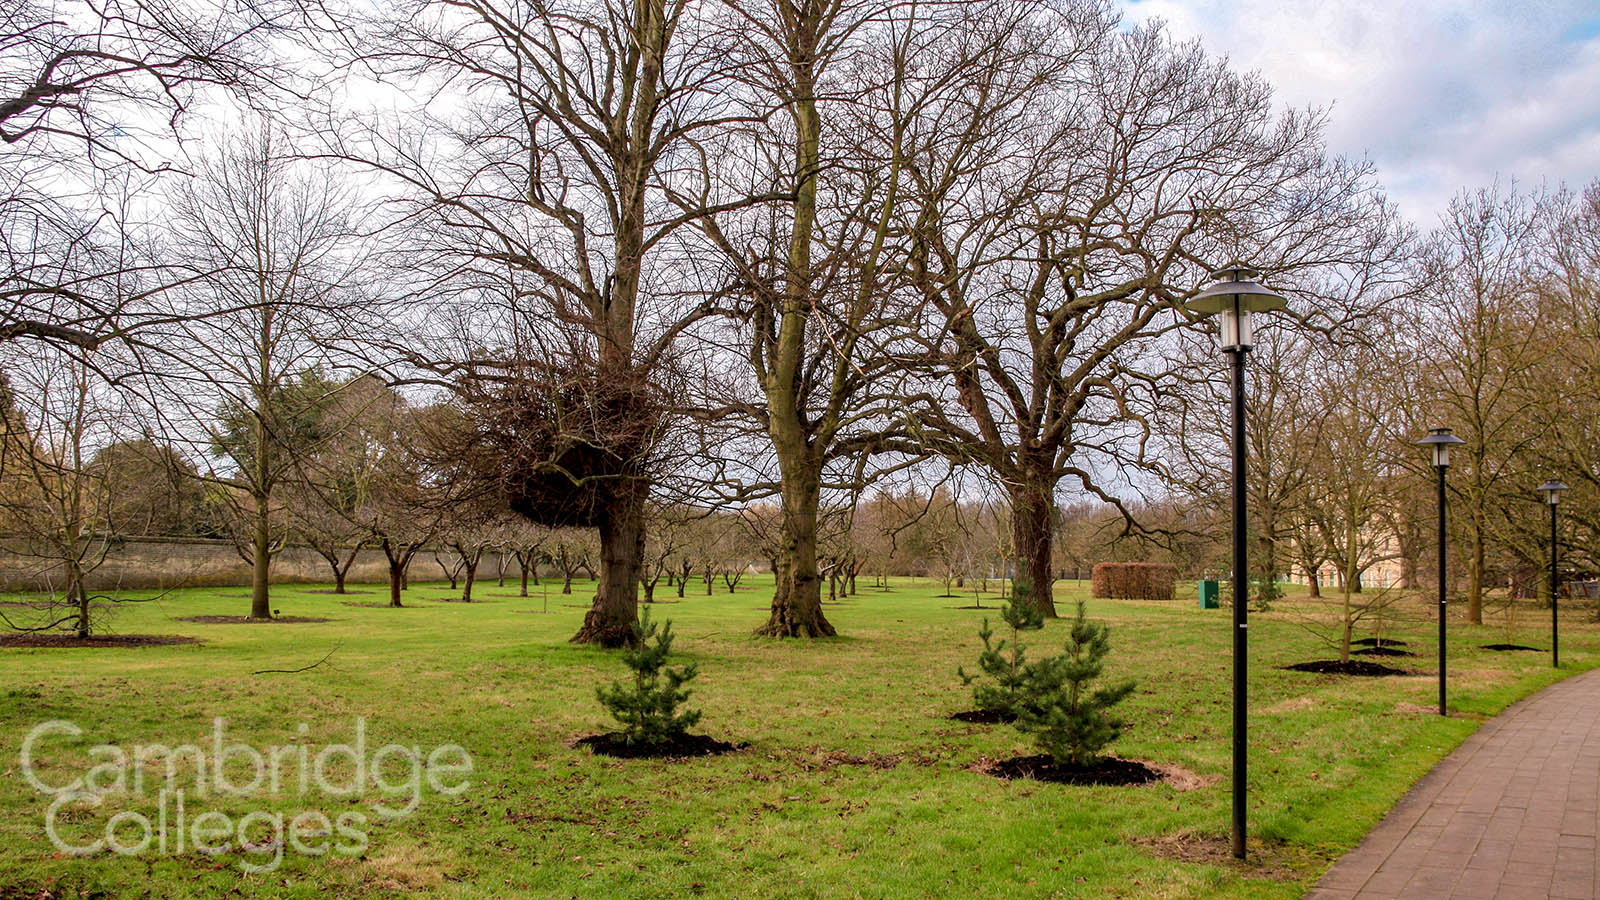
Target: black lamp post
1440,439
1552,497
1235,296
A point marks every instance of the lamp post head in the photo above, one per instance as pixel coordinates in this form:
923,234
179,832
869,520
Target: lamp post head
1236,295
1440,439
1552,491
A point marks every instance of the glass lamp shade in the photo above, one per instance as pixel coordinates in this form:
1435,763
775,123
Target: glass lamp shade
1552,491
1440,440
1234,297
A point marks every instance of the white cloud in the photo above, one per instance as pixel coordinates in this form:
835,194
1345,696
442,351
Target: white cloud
1442,95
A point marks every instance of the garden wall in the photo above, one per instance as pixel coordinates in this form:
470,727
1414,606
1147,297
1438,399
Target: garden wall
159,563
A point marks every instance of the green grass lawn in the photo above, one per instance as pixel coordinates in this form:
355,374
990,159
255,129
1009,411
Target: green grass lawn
855,783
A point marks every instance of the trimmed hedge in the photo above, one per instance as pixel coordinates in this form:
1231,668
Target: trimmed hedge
1134,581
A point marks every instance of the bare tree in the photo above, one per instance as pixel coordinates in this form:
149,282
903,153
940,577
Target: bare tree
1352,480
1479,333
862,88
551,181
330,484
54,499
240,380
1053,259
89,94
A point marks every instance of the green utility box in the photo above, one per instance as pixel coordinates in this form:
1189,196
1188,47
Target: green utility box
1210,595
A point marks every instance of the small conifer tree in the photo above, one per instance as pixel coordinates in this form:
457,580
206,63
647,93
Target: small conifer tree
1067,719
1004,661
647,707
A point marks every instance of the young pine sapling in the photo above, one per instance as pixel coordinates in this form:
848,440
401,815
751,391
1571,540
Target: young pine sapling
1069,720
1004,661
647,707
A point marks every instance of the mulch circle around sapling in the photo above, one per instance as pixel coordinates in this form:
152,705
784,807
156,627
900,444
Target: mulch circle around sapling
246,620
971,606
983,717
334,592
1353,667
95,640
1380,642
1503,647
1265,860
1110,771
1382,651
611,744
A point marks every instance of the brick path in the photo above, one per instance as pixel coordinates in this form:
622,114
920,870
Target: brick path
1512,813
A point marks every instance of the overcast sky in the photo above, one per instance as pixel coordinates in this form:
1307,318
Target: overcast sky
1441,95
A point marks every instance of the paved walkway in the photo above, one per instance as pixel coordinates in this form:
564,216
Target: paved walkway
1512,813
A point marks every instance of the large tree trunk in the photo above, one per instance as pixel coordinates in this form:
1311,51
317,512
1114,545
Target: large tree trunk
1266,562
1032,515
797,598
610,621
1475,563
397,572
261,548
78,597
525,564
1349,626
471,560
797,601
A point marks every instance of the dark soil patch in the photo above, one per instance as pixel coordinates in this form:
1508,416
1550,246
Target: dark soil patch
95,640
29,604
1353,667
983,717
473,602
975,606
334,592
689,745
1382,651
1265,860
246,620
1512,647
1109,771
1380,642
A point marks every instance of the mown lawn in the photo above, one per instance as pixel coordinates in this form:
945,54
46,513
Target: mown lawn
855,782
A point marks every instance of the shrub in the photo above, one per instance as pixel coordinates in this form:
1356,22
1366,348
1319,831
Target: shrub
1068,720
647,708
1004,661
1134,581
